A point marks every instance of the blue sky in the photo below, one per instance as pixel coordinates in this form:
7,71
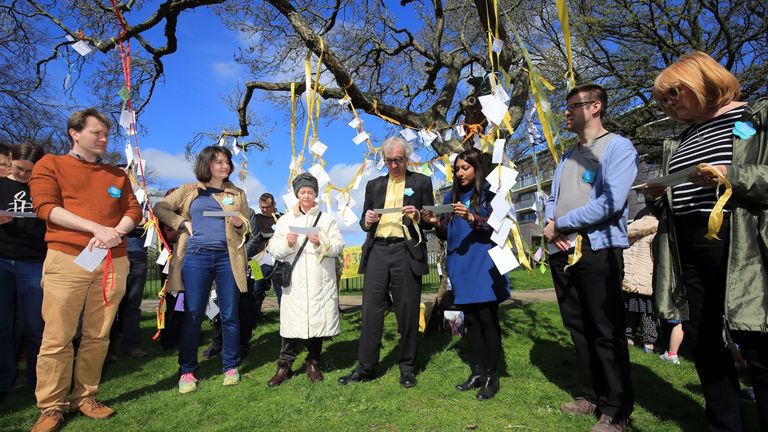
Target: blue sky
191,100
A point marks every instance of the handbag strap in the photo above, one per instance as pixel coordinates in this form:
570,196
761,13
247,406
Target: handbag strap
301,249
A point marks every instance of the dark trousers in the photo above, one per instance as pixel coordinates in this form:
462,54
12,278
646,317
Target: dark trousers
129,312
291,348
169,337
262,286
589,295
704,265
388,268
481,321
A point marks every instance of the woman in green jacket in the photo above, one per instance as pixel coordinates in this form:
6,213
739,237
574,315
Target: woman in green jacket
711,277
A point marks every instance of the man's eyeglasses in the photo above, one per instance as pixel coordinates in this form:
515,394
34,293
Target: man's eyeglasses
670,96
396,161
22,170
573,106
5,164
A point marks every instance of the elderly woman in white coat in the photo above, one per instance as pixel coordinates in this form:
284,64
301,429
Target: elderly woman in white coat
309,310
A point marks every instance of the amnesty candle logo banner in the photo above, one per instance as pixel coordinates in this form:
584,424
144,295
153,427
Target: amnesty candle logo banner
351,262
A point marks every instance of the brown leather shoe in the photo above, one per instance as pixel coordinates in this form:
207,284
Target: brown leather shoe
609,424
94,409
283,373
313,371
578,406
50,420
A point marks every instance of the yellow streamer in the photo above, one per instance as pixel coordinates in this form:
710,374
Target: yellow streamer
576,255
521,257
716,217
562,13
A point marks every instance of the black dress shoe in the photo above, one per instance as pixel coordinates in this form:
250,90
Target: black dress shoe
474,381
355,377
407,379
490,386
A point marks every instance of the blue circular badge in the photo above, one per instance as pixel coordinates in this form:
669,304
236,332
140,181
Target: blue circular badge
114,192
228,201
589,176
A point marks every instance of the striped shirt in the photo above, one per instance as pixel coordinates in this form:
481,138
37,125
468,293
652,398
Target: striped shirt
708,142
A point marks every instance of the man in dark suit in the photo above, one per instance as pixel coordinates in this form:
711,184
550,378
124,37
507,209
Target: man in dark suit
394,256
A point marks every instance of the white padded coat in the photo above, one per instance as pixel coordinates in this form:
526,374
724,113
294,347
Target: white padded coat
310,306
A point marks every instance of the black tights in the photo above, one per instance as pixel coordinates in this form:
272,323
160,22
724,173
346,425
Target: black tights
484,333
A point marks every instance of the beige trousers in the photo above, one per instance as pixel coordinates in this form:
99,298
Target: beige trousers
69,293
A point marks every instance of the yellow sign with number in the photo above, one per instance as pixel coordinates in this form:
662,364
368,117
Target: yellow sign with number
351,262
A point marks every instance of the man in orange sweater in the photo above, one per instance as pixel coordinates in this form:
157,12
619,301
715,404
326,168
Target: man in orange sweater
86,205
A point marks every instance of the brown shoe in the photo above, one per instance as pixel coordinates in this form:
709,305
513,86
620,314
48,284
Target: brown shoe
313,372
50,420
578,406
94,409
609,424
137,353
283,373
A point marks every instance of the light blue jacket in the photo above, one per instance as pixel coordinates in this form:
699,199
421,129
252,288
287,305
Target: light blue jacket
604,218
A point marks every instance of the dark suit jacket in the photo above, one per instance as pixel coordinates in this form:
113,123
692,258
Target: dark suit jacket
375,194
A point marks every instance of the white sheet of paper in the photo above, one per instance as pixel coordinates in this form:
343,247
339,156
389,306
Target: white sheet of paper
128,153
504,259
163,257
304,230
380,165
497,45
355,123
414,157
212,310
266,259
501,94
18,214
553,249
495,220
460,131
149,238
349,217
235,148
670,180
439,270
500,205
167,267
222,142
320,174
427,137
368,167
493,109
452,157
345,200
439,209
290,200
219,213
478,143
440,167
358,179
408,134
362,136
318,148
89,260
498,150
82,48
140,195
501,178
388,210
448,135
126,120
500,236
345,100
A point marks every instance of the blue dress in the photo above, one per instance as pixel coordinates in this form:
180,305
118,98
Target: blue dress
474,277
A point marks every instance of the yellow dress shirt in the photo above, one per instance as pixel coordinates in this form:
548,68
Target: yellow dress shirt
391,224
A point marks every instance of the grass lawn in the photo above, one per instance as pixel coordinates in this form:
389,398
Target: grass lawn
538,376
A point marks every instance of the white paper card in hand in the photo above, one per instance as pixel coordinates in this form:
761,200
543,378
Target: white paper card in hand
304,230
18,214
498,150
500,236
408,134
161,260
89,260
362,136
504,259
318,148
571,240
211,213
493,109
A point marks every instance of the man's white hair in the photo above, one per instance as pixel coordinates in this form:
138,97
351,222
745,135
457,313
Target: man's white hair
389,143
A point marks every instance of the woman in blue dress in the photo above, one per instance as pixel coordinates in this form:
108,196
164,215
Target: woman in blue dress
477,283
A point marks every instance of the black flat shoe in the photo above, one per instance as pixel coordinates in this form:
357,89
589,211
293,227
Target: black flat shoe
474,381
407,380
355,377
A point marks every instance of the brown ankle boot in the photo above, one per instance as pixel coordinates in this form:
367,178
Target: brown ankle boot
283,373
313,371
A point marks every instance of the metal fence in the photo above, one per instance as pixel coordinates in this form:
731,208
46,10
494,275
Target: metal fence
153,284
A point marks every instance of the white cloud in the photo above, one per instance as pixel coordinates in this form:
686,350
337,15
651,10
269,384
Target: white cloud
227,70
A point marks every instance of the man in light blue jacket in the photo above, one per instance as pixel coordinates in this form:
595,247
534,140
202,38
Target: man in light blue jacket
587,221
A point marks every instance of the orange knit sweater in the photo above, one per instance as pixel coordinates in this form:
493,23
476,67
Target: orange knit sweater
82,188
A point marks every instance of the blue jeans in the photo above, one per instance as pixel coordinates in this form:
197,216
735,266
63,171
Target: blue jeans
20,279
262,286
129,312
201,267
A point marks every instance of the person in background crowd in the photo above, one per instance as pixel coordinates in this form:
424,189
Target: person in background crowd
209,248
589,201
394,257
676,336
22,251
86,205
5,160
715,280
262,232
169,337
128,318
310,308
477,283
638,275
